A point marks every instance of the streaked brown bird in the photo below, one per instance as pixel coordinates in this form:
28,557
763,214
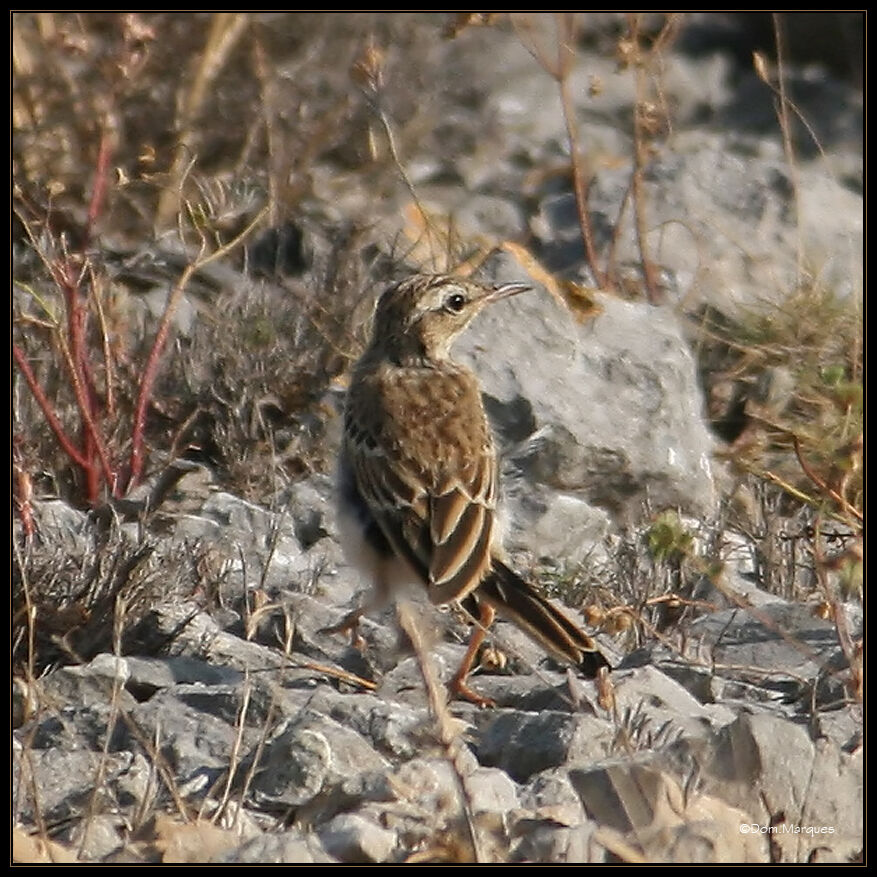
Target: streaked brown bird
418,473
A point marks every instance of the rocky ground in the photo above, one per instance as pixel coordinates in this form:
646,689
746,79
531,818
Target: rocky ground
174,697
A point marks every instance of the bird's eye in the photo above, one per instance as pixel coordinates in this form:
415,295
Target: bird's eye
455,302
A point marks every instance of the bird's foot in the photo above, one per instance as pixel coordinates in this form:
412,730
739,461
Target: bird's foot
350,623
458,688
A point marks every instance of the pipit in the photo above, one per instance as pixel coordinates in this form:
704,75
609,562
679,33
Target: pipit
418,473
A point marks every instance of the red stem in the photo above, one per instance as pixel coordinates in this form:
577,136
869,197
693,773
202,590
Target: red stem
83,388
149,372
46,407
22,491
99,191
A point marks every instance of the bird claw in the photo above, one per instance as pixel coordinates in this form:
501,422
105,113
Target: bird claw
348,623
458,688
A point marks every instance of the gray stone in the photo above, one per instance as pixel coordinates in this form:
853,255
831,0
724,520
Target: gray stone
290,847
96,837
604,413
197,746
551,795
546,841
351,838
161,673
523,744
393,729
72,727
91,684
647,810
59,523
307,755
659,708
69,784
489,789
771,768
781,644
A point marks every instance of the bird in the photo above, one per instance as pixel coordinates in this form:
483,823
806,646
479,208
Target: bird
418,474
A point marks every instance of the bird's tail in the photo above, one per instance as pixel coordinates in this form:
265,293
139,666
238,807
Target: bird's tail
516,600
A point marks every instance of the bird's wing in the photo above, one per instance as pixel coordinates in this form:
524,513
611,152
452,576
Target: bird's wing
461,522
440,518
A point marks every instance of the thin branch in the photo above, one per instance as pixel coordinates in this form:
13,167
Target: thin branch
820,483
90,427
580,184
109,392
45,406
226,29
99,190
151,368
786,130
438,704
639,154
149,373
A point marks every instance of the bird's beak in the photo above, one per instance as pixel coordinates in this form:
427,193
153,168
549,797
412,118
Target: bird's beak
506,290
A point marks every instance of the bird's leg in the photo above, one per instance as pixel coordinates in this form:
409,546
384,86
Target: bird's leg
350,622
457,686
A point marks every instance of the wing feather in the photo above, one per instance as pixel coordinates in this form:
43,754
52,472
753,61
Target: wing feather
439,517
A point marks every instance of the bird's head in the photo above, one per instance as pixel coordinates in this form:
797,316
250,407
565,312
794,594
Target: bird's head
421,316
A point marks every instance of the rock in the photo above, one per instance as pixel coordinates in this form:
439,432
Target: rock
71,728
197,745
655,819
631,371
307,755
290,847
67,782
351,838
545,841
658,706
62,525
392,728
784,639
811,791
96,838
490,790
91,684
523,744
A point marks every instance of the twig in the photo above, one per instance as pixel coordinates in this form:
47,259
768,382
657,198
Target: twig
45,406
109,392
234,758
94,443
639,153
225,30
559,69
580,184
786,129
151,368
335,673
99,190
825,488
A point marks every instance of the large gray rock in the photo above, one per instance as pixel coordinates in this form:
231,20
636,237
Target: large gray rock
811,791
592,418
308,755
352,838
657,821
290,847
523,744
69,783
